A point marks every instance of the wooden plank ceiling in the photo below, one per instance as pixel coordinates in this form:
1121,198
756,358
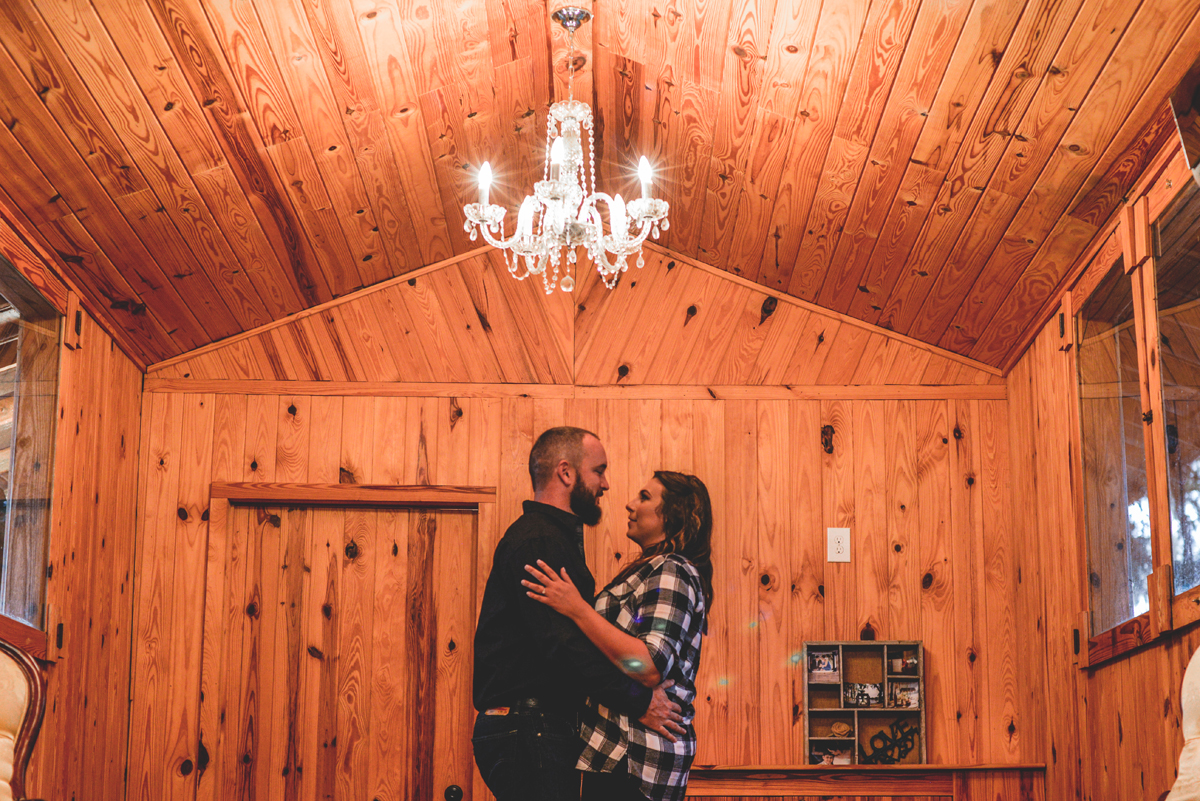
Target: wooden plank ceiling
205,167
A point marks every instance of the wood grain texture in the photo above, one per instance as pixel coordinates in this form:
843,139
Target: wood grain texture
468,323
886,454
930,166
90,584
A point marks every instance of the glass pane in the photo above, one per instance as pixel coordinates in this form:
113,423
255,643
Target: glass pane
29,343
1116,506
1177,278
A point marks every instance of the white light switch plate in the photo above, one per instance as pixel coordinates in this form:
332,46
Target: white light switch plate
839,544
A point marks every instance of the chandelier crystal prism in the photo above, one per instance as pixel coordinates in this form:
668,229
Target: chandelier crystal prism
563,212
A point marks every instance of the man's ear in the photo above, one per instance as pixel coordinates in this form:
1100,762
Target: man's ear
565,473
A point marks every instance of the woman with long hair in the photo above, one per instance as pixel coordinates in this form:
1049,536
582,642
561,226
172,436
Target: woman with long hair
649,621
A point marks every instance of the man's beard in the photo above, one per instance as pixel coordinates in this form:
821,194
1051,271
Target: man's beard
585,505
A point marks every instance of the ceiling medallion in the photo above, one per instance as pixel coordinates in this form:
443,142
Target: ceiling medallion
563,212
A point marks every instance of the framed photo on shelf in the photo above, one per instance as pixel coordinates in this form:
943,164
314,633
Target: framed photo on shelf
831,755
863,695
823,667
904,695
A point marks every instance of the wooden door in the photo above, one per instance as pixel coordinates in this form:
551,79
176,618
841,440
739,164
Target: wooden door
337,654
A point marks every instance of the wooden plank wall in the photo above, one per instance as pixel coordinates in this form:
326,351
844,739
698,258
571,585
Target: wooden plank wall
673,322
923,485
1114,730
82,748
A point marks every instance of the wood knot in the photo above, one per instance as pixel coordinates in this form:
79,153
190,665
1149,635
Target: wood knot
292,410
768,308
623,370
252,610
867,633
971,655
926,581
327,611
898,547
185,768
315,652
765,580
671,265
821,590
183,515
352,550
450,646
691,312
827,438
958,434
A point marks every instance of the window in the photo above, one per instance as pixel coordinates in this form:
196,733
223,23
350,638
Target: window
1116,508
1136,351
1177,283
29,345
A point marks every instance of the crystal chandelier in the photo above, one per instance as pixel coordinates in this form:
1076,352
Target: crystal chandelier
562,213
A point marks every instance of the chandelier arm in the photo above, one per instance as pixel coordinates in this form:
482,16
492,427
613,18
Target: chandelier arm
502,244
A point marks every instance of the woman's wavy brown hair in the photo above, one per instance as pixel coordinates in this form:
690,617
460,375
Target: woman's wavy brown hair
688,522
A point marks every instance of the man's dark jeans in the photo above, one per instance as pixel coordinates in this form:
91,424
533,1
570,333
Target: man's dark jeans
528,755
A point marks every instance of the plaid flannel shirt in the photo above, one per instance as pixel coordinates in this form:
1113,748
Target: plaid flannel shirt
662,604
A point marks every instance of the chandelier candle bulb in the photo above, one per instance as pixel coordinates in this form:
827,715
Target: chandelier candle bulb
556,158
617,218
525,219
645,173
485,182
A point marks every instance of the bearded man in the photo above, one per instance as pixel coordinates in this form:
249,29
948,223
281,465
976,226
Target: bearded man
533,667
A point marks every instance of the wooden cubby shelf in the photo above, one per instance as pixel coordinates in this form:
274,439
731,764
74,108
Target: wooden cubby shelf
877,690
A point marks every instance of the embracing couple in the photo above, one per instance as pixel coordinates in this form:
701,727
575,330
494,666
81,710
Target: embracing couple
569,681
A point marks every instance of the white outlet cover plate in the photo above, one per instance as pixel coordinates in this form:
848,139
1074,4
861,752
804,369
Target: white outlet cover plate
839,544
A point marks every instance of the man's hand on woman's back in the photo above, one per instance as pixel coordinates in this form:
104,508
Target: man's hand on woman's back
664,715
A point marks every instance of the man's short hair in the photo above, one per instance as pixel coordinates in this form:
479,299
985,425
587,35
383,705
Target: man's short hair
553,446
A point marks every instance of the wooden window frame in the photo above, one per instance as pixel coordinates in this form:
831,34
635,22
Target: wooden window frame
1129,236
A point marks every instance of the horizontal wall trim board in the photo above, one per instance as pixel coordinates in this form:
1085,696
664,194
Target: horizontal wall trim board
352,494
383,389
568,391
851,780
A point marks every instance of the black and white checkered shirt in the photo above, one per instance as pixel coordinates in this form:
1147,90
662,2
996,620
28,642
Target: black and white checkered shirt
662,604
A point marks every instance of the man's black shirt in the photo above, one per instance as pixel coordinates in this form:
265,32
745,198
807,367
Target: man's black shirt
524,649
